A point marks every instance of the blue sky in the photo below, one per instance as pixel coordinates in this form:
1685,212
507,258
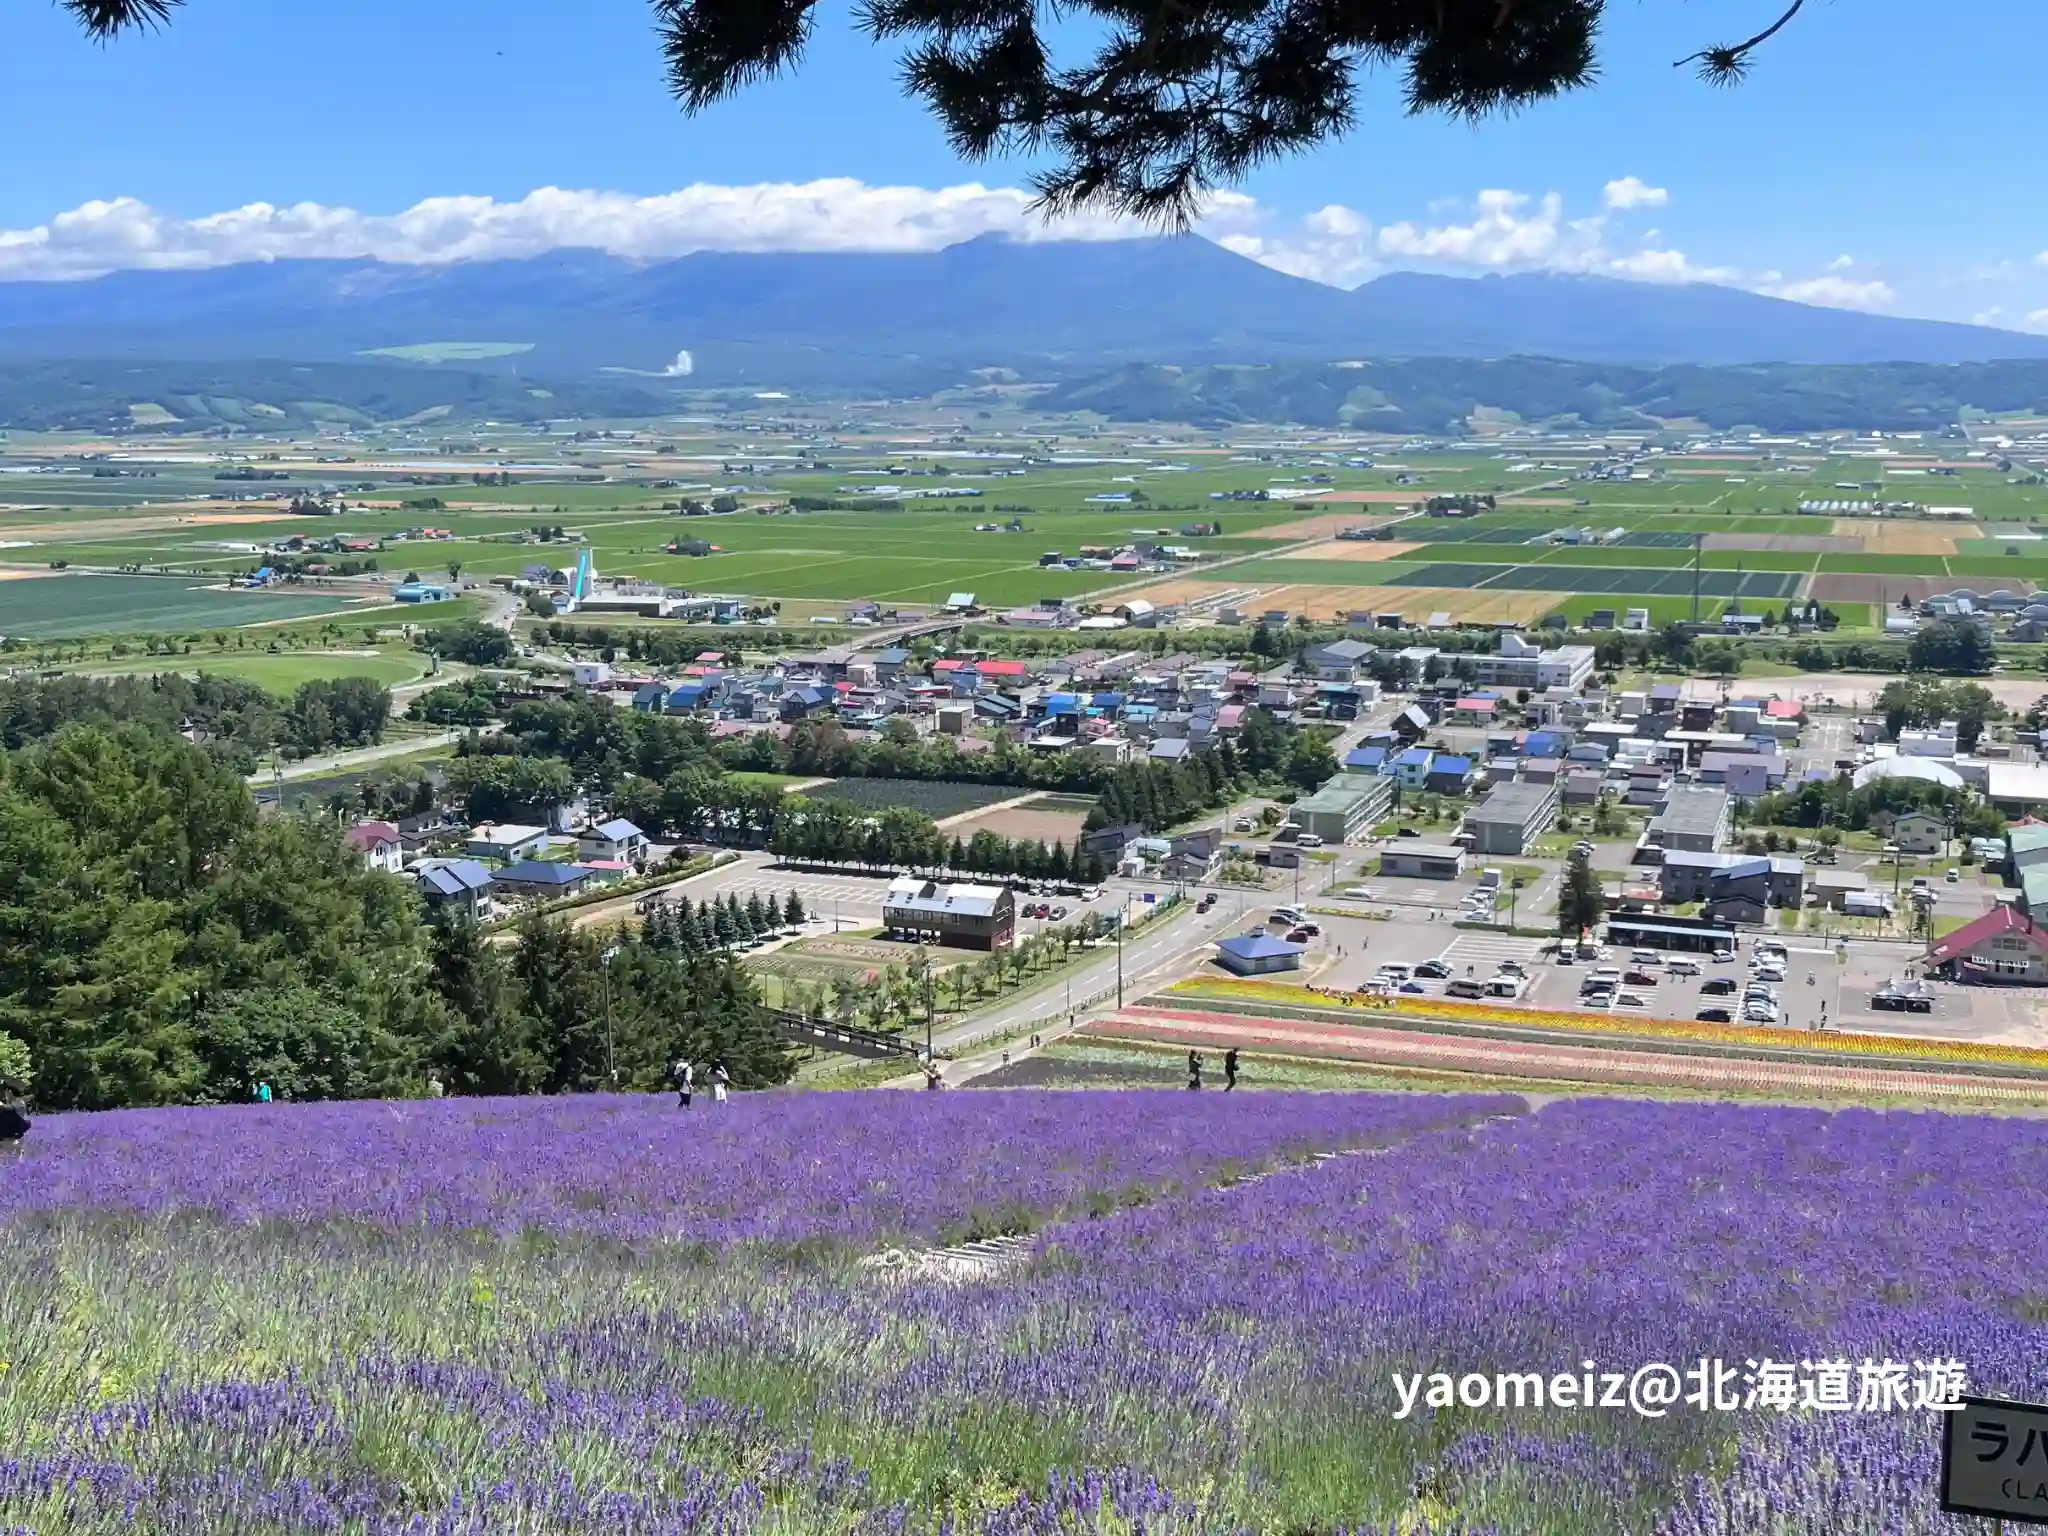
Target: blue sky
1862,135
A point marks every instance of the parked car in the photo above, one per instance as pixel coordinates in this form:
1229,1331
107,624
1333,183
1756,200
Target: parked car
1600,1001
1058,913
1299,935
1513,968
1464,986
1393,971
1435,970
1715,1016
1645,957
1723,956
1898,1001
1412,985
1407,832
1566,957
1631,1000
1093,893
1718,986
1635,978
1953,876
1683,967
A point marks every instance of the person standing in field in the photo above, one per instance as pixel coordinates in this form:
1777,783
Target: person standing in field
1230,1069
14,1120
1194,1071
720,1081
685,1079
434,1088
263,1093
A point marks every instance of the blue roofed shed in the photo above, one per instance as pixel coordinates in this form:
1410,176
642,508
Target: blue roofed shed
1256,954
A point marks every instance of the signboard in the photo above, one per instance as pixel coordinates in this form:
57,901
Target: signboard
1994,1461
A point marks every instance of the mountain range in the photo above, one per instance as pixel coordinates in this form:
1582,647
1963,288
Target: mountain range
921,321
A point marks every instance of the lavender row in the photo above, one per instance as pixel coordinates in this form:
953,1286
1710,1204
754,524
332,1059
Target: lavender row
858,1168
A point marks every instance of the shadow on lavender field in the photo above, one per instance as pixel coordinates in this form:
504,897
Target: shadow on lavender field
585,1315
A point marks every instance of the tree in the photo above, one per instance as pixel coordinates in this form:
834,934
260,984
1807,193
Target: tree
1581,902
1176,99
1956,647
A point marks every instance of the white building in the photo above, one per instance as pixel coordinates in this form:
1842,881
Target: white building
1521,663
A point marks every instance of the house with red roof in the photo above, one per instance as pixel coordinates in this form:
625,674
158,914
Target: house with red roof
378,843
2004,947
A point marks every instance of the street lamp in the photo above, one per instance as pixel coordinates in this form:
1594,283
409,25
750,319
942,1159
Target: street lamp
604,971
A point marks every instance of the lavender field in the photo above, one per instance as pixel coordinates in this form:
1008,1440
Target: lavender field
595,1315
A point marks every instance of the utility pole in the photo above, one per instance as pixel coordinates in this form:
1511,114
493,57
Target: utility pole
1120,957
1698,542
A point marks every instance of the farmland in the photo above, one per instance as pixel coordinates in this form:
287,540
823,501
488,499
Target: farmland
597,1313
49,607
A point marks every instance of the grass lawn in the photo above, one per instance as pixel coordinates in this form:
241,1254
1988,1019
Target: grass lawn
281,672
783,781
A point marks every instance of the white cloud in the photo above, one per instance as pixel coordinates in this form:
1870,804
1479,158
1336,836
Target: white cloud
1633,192
1989,316
1834,292
1499,230
2036,321
838,214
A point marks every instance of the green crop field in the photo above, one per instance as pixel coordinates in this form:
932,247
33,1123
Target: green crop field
68,605
1620,580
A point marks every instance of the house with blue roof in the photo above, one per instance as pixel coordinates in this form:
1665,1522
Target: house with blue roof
1366,760
543,879
1546,744
1411,768
1258,954
799,702
1451,774
615,839
459,886
651,698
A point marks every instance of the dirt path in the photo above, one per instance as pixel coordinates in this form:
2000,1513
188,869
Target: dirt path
1556,1063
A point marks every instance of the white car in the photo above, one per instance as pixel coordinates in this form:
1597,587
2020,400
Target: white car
1630,1000
1600,1002
1645,957
1723,956
1394,973
1685,967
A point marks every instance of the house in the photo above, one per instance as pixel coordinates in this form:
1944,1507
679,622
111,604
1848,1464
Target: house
1475,709
1687,935
458,886
961,916
1366,760
1257,954
2004,947
615,839
543,879
379,844
419,592
1770,880
1510,817
1346,807
1837,887
1412,723
1582,786
1451,774
650,698
1412,767
506,841
1919,832
1341,661
590,674
1169,749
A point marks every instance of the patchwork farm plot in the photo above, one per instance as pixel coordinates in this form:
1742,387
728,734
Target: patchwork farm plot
56,606
938,799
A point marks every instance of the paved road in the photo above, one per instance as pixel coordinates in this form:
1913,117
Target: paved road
357,757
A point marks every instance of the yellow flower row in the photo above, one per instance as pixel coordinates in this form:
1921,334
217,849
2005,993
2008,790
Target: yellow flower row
1452,1011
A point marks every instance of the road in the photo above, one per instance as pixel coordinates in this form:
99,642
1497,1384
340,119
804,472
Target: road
354,758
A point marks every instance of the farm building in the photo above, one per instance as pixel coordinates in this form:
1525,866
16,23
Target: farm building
962,916
506,840
543,878
1255,954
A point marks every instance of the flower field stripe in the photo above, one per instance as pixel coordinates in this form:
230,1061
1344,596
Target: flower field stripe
1573,1062
1447,1010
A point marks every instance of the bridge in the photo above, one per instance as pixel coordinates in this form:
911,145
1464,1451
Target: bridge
822,1034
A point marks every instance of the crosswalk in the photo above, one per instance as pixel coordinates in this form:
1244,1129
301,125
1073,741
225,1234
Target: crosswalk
1485,951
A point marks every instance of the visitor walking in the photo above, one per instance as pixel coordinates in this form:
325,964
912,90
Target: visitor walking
1230,1069
14,1120
684,1076
434,1088
1194,1071
720,1081
263,1093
